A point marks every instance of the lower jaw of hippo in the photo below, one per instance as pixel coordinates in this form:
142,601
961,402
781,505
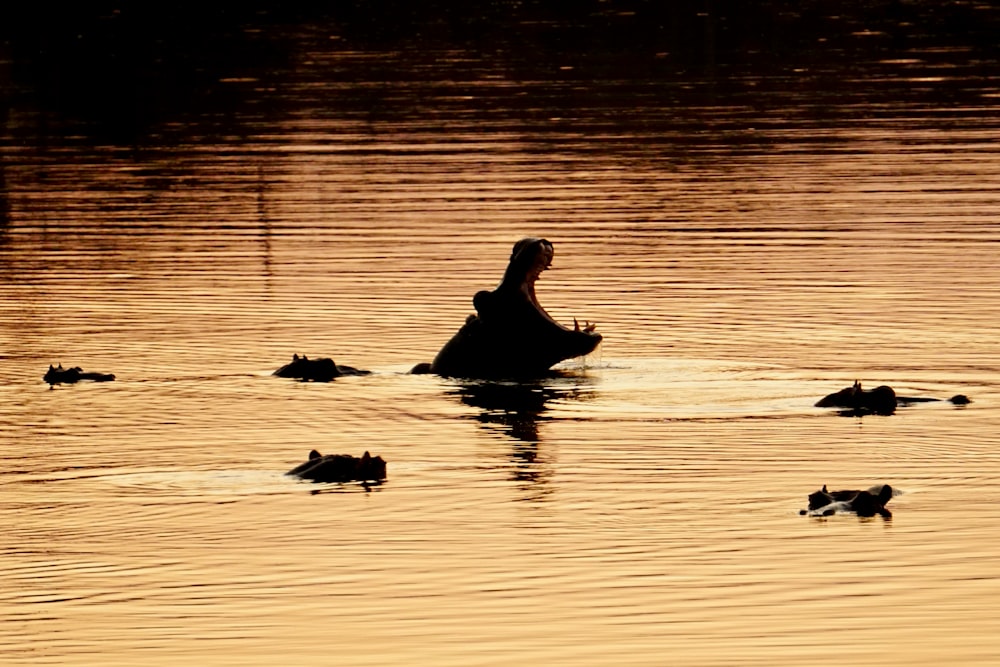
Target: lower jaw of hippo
477,352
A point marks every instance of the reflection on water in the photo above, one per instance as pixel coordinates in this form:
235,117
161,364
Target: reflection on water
749,235
517,410
517,407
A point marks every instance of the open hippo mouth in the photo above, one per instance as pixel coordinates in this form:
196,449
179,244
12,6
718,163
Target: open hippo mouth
528,260
512,334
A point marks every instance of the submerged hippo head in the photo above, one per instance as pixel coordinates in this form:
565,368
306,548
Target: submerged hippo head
60,375
340,468
511,335
857,401
315,370
865,503
883,400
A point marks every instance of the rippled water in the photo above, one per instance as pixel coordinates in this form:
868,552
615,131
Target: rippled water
746,245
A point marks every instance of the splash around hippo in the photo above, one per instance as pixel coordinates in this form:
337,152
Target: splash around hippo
864,502
511,335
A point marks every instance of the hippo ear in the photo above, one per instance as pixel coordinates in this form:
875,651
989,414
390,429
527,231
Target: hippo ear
315,455
51,367
482,302
295,357
366,457
885,495
824,489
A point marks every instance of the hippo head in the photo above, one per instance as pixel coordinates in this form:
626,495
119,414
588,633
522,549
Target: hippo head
528,259
857,401
340,468
511,335
309,370
864,503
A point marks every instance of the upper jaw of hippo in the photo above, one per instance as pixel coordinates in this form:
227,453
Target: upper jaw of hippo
530,257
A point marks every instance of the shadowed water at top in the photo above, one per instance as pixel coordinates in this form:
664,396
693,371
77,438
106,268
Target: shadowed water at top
139,74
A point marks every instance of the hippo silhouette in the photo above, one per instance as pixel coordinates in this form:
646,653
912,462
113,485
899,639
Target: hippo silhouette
511,335
882,400
866,503
315,370
340,468
59,375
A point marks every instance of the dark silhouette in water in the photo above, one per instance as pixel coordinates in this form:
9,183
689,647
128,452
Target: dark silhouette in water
517,408
866,503
881,400
59,375
512,336
514,407
315,370
340,468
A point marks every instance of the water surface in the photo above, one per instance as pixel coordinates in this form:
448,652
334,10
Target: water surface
746,245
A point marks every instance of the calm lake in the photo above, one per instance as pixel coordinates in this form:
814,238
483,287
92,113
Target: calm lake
747,241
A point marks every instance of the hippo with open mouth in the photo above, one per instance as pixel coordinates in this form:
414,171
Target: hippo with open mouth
511,335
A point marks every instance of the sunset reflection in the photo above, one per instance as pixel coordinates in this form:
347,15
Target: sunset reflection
757,205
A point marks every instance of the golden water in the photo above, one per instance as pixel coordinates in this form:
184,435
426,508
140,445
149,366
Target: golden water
741,258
